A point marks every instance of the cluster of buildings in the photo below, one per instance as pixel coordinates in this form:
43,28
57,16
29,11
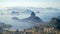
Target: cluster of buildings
19,32
46,30
52,30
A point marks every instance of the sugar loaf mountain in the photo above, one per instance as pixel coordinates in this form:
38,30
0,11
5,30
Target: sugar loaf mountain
32,19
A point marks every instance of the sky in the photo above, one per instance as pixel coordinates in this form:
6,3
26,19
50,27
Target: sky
30,3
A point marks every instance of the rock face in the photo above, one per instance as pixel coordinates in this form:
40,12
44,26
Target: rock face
33,14
32,19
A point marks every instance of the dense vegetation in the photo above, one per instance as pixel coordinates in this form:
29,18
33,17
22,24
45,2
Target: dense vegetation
55,22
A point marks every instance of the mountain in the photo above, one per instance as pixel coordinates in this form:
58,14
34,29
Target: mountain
32,19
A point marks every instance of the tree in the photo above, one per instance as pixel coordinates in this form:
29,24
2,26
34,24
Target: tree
52,22
0,33
55,22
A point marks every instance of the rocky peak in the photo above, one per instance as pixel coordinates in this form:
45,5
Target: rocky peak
33,14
